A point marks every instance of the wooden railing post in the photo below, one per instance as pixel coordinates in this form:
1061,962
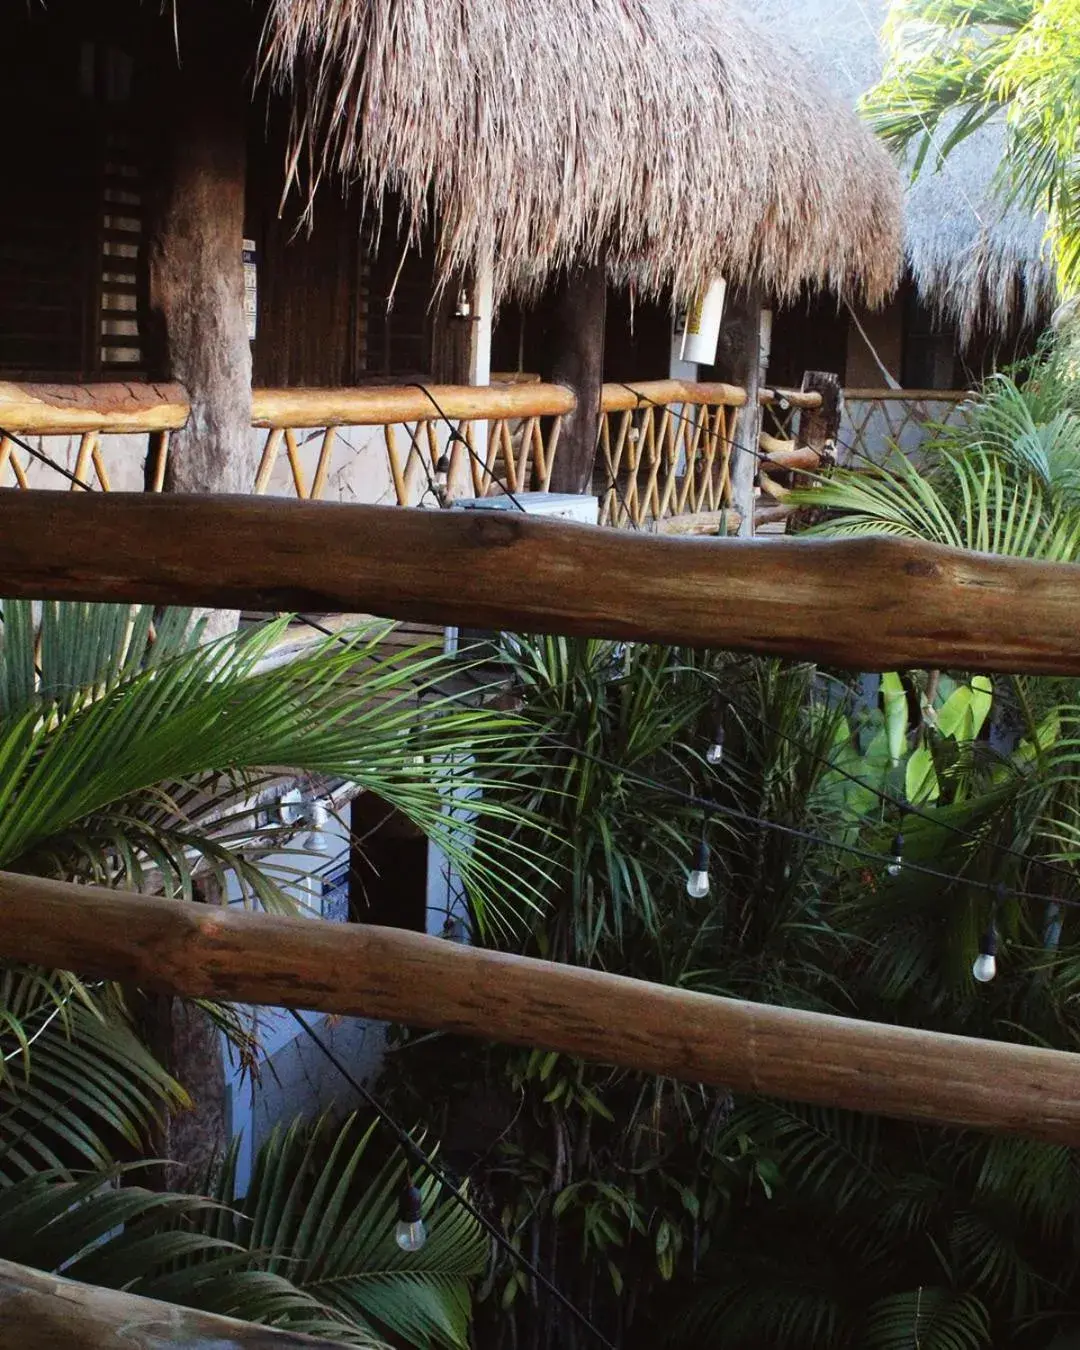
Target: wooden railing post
819,428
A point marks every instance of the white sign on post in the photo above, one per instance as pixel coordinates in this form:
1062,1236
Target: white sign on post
701,331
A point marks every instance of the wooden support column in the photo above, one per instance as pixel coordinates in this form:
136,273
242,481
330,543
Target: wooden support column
175,947
819,427
574,355
198,334
739,362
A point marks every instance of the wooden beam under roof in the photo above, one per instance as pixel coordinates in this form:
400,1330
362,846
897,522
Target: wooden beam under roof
867,604
192,950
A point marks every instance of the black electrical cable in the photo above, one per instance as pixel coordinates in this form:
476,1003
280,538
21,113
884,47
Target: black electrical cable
412,1150
901,804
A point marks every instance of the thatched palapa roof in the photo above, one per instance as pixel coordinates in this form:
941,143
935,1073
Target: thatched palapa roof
667,134
980,263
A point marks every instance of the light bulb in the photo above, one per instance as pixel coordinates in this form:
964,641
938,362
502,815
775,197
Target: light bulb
715,752
442,470
697,883
897,865
410,1233
984,967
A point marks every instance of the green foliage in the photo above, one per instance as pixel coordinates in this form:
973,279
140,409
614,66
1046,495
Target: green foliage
131,754
309,1247
955,64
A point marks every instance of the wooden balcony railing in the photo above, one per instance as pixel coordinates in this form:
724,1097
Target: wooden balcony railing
876,419
511,435
663,447
664,450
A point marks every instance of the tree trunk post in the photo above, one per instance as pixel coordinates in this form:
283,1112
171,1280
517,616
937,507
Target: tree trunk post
740,361
819,428
198,332
574,342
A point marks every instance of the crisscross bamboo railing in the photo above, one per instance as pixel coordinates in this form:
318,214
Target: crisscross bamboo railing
664,449
663,446
510,434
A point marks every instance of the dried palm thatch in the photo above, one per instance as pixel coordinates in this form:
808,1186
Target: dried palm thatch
669,135
979,263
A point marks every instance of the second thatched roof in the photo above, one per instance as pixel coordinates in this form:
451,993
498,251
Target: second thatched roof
978,261
668,135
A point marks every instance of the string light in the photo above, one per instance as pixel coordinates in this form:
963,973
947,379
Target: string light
697,883
442,471
984,967
715,753
410,1232
897,865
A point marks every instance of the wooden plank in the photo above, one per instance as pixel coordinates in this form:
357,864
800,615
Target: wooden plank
173,947
70,409
699,522
46,1312
379,405
868,604
910,395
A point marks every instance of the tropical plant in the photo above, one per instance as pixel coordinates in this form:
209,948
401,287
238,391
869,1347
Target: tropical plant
955,64
611,1180
309,1247
133,754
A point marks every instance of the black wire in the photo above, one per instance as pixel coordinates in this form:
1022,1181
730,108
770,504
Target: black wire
885,797
710,806
412,1150
44,459
904,806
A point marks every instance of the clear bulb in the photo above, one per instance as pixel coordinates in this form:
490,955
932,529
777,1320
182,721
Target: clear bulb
442,470
984,967
697,884
410,1235
894,868
715,753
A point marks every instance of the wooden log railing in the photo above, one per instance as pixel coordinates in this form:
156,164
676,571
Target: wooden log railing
511,434
867,604
663,446
664,449
39,1311
174,947
874,419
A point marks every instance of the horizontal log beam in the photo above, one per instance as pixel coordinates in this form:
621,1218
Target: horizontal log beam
910,395
46,1312
647,393
378,406
868,604
802,458
173,947
71,409
794,398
